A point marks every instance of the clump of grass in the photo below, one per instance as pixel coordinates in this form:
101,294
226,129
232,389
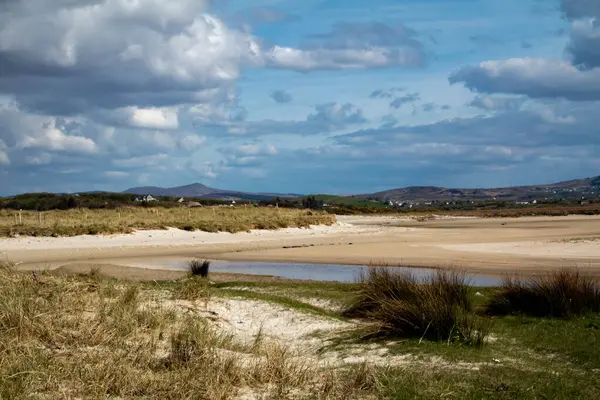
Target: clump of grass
192,289
563,293
436,308
199,267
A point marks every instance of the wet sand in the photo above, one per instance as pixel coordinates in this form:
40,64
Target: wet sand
522,245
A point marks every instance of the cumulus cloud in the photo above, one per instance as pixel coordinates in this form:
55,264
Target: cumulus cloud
353,46
281,96
584,46
64,60
533,77
577,78
337,114
575,9
248,155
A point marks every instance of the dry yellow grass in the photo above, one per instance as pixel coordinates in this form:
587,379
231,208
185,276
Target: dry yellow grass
85,337
124,220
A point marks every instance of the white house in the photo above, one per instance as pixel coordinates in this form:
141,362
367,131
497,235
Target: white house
148,198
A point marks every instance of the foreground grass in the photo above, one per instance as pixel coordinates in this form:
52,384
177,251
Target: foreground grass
87,337
125,220
440,308
90,337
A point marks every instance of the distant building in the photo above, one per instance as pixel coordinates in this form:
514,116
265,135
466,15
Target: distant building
148,198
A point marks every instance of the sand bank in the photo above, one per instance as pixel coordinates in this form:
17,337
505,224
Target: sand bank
522,244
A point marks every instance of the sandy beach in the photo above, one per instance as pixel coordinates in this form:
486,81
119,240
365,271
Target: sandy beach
523,245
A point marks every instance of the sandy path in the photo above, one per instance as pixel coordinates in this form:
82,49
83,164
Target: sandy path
523,244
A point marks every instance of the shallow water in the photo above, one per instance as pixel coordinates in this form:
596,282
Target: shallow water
315,272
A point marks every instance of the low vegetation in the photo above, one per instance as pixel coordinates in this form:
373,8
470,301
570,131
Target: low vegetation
199,267
436,308
89,337
124,220
93,337
564,293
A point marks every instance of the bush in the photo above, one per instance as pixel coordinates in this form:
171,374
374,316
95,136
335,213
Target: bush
559,294
199,267
436,308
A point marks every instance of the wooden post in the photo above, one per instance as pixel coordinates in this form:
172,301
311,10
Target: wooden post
20,218
40,218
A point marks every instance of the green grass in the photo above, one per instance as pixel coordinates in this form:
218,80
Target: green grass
280,300
333,291
349,201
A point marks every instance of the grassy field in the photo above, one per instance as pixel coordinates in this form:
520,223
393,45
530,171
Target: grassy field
93,337
349,201
124,220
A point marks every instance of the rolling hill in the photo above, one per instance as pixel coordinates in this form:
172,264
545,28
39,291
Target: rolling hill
198,190
576,188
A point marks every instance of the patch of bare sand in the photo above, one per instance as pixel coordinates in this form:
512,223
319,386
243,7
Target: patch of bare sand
553,249
306,337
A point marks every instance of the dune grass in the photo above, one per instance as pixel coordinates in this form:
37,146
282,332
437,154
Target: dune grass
125,220
563,294
436,308
90,337
199,267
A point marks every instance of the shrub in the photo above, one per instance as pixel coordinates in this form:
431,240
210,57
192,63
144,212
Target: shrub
199,267
436,308
561,294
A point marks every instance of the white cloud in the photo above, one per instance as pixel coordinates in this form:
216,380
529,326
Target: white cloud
172,51
533,77
50,137
154,118
4,160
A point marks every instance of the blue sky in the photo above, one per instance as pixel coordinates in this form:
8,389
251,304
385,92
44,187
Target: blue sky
297,96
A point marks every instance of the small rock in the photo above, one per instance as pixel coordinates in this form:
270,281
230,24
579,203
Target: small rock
478,294
496,360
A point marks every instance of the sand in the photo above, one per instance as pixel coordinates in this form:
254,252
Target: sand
490,245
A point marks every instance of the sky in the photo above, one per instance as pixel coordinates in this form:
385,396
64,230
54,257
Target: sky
297,96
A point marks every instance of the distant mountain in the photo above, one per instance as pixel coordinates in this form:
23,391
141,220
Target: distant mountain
198,190
569,189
